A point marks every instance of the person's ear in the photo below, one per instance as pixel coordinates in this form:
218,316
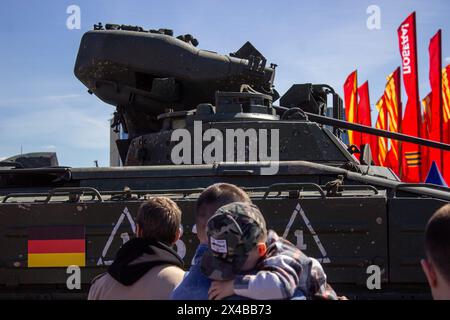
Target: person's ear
200,230
430,273
177,235
262,249
138,231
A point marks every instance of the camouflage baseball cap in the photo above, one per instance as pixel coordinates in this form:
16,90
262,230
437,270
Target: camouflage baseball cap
233,232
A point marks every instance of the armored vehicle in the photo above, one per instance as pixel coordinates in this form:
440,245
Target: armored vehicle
191,118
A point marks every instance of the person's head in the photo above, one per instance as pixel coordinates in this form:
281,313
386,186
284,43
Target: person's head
237,236
159,219
436,266
211,199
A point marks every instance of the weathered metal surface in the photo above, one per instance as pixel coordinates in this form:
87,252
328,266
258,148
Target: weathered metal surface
346,238
407,219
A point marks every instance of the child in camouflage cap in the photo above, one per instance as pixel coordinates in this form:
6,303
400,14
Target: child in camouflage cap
246,260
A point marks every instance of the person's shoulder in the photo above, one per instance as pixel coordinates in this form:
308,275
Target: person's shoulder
96,285
277,245
168,273
173,269
98,277
194,286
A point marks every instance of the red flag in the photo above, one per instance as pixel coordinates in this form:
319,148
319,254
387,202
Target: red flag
425,133
375,149
411,119
381,124
446,96
434,50
364,117
394,109
446,120
351,105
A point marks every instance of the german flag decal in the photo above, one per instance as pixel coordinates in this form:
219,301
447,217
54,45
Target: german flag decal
60,246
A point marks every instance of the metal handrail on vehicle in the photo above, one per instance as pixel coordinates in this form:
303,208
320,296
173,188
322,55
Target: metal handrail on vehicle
23,195
280,187
74,190
57,192
352,187
277,187
140,193
402,186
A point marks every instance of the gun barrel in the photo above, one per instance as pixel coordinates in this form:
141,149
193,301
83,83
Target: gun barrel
378,132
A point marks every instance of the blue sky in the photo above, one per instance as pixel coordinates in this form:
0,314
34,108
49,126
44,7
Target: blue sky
43,107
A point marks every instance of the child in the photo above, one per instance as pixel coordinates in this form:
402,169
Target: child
244,259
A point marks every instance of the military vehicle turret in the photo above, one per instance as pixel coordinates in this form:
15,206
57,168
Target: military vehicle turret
193,118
